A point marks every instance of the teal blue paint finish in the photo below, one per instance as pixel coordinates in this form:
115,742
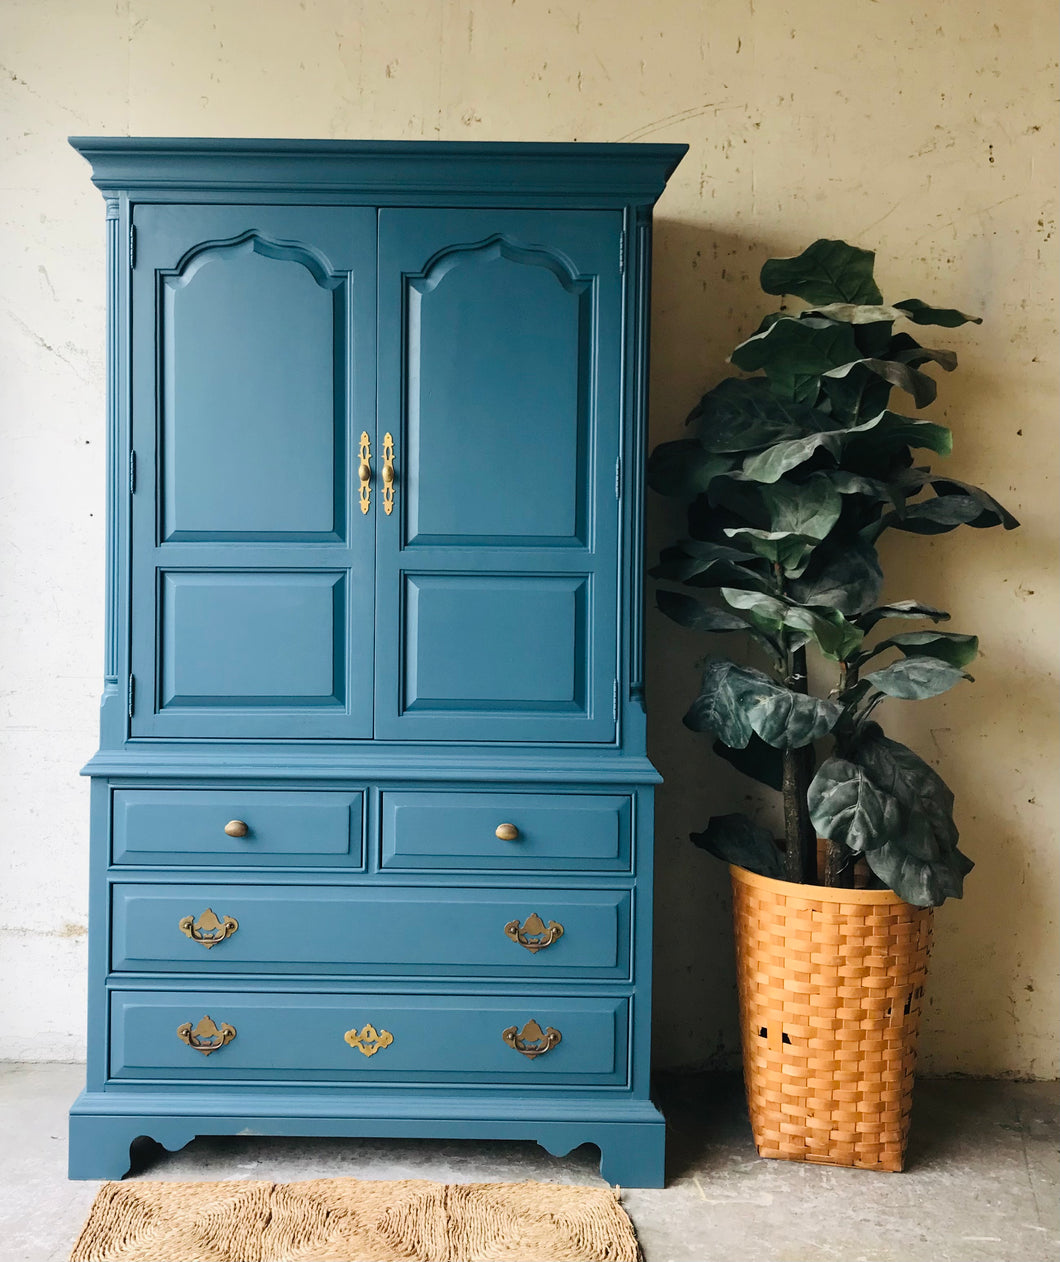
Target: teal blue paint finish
253,376
288,1037
455,623
499,375
418,930
283,828
235,379
372,692
425,830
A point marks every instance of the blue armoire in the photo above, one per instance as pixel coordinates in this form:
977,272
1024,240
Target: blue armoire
371,814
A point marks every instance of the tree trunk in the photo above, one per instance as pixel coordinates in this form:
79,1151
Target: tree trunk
800,853
838,866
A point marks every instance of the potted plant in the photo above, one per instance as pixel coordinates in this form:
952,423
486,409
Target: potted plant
790,477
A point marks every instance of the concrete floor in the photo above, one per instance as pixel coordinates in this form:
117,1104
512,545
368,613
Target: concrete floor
981,1183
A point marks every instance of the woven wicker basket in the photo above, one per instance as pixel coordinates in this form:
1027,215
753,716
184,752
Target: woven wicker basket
831,983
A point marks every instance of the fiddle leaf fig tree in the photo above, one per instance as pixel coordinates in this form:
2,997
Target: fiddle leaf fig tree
790,476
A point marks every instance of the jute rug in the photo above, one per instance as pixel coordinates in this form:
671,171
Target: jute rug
347,1220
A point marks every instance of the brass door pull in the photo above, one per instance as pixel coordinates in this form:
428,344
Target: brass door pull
388,474
207,1036
531,1041
236,828
369,1040
506,832
364,472
209,929
533,935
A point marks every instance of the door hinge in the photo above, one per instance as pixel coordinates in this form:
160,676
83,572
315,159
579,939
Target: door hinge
622,253
132,472
132,694
618,477
614,701
132,245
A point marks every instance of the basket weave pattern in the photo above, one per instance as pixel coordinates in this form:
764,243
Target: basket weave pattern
831,984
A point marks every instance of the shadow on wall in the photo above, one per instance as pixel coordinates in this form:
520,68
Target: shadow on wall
706,300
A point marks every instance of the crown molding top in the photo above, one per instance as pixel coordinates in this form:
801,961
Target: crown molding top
518,169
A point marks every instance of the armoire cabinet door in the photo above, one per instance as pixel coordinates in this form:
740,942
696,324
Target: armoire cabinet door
499,385
253,378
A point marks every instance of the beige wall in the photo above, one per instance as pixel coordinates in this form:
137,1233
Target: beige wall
926,131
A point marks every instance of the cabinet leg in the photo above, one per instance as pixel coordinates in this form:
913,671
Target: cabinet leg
99,1146
634,1156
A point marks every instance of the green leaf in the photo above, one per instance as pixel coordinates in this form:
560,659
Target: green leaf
906,776
899,609
916,678
825,272
918,384
771,465
722,705
857,313
846,806
790,552
737,839
738,700
844,575
991,512
947,646
835,637
859,393
945,317
758,760
936,516
890,431
924,883
795,353
691,613
743,414
702,564
809,508
684,469
907,350
790,720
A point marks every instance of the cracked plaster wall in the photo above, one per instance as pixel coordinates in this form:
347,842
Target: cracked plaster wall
925,131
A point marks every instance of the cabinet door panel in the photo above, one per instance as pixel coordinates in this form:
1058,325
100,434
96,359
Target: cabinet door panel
253,378
499,370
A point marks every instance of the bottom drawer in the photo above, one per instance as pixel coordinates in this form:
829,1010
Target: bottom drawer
229,1036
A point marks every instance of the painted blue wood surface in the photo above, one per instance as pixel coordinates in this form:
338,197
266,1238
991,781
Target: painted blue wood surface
382,931
154,826
373,693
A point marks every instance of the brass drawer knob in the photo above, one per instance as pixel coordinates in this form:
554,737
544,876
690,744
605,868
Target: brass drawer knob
506,832
209,929
533,935
369,1040
236,828
532,1041
207,1036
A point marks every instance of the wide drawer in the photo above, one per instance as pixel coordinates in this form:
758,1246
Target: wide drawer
526,831
219,928
355,1038
282,828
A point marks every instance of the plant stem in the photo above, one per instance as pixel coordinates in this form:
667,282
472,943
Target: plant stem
800,854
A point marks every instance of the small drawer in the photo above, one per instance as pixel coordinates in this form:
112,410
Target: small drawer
219,928
234,827
224,1036
524,831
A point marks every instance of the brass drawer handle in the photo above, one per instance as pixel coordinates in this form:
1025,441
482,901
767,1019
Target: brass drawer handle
369,1040
531,1041
236,828
533,935
364,472
207,1037
209,929
506,832
388,474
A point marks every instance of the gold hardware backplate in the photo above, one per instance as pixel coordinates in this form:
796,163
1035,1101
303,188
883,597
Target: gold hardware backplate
531,1040
209,929
369,1040
533,935
388,474
207,1036
364,472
